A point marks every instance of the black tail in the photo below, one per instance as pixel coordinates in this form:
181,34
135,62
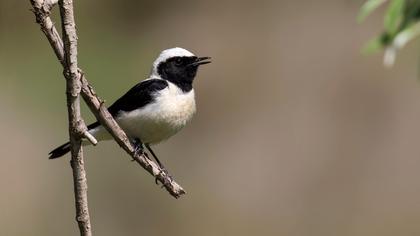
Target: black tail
60,151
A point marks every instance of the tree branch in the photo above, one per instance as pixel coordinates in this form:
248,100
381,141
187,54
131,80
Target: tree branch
41,10
76,123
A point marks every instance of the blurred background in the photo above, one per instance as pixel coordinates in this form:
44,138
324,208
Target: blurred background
297,133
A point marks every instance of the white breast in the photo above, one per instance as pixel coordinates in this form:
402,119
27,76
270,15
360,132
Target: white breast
155,122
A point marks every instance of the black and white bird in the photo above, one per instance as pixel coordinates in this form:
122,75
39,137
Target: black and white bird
156,108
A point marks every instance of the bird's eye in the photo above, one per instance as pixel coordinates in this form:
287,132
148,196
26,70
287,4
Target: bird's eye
178,61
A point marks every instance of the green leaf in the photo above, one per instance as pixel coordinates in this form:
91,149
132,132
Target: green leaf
399,41
408,34
394,16
373,46
367,8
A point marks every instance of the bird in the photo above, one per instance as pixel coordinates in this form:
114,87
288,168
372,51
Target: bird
156,108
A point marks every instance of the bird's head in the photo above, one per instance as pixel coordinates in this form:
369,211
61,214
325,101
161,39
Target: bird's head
178,66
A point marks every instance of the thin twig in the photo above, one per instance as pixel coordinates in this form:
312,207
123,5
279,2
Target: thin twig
76,123
42,10
96,104
90,137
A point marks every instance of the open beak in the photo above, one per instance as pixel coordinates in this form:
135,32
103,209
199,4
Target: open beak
201,61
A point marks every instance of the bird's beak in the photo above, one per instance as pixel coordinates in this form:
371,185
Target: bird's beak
201,61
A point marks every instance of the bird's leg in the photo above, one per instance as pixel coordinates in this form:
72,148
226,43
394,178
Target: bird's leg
138,147
163,169
154,156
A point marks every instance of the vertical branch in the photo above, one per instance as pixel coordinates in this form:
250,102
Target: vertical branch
76,124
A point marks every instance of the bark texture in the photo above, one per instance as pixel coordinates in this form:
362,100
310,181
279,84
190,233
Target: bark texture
76,123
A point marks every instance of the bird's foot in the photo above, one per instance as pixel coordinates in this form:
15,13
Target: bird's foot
138,147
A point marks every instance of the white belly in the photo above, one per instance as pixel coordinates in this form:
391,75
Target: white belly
158,121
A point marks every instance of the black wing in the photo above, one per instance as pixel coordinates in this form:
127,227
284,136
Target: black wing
137,97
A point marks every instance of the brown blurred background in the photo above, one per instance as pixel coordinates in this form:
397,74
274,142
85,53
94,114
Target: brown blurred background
296,133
